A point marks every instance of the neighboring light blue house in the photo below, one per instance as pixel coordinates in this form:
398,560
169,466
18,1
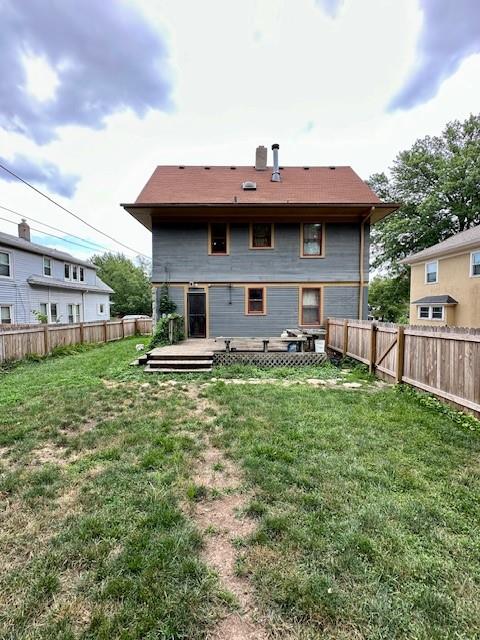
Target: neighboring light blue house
251,251
37,280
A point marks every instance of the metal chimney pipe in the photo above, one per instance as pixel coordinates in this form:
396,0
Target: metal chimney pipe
276,170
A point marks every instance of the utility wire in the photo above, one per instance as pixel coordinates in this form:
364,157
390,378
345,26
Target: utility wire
50,234
71,235
57,204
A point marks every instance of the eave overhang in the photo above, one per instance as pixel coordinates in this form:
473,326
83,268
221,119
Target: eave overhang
270,212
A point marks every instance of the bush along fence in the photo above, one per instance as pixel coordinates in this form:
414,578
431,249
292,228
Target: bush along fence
169,330
17,342
444,361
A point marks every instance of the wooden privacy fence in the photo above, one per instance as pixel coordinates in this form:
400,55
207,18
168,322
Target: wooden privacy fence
17,342
444,361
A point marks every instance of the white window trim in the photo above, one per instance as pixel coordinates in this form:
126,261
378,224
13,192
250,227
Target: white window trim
12,311
436,277
10,264
430,312
104,312
473,275
57,321
51,266
67,264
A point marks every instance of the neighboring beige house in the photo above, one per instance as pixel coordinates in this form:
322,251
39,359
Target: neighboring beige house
445,282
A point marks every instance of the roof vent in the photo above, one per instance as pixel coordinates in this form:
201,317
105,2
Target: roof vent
207,168
181,166
333,168
306,168
249,186
232,168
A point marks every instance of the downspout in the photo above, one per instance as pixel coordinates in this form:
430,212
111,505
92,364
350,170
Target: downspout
362,262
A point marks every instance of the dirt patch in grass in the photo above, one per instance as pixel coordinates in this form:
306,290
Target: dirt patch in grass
221,516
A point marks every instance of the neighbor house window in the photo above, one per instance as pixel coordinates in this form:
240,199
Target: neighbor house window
475,263
310,306
218,239
47,267
255,301
312,240
101,309
82,274
44,310
6,314
431,312
53,312
67,272
74,272
431,272
71,313
78,310
5,265
261,236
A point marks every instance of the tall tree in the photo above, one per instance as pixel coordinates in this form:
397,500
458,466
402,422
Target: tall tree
438,183
388,299
129,282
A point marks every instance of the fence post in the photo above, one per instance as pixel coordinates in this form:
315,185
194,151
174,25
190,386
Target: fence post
345,336
123,328
327,331
82,333
373,347
400,354
105,329
47,339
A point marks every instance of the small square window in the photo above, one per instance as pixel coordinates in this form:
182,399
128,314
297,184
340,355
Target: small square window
437,313
47,267
261,236
5,266
476,263
431,272
424,312
101,308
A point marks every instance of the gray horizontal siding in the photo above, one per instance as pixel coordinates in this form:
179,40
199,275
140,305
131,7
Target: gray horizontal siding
229,319
340,302
180,254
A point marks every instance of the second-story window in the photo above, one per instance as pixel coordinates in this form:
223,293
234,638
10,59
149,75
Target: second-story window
218,239
475,263
431,272
47,267
312,240
261,236
5,267
74,272
82,274
67,272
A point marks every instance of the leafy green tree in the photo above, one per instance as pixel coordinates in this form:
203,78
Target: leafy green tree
388,299
165,303
130,283
438,183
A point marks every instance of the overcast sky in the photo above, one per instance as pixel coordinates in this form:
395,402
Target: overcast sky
93,95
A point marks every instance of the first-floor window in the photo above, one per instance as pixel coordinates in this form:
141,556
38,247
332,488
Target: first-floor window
5,314
431,312
101,308
78,311
71,313
255,300
310,306
476,263
53,312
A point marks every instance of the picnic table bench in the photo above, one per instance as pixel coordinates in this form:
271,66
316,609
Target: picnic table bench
301,340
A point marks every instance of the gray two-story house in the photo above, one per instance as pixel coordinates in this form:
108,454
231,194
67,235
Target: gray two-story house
251,251
38,283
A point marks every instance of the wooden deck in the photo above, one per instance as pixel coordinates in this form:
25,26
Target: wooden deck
189,347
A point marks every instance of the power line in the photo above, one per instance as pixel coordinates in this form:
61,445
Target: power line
71,235
57,204
50,234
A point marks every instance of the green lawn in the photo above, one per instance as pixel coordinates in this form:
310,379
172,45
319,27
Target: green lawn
367,504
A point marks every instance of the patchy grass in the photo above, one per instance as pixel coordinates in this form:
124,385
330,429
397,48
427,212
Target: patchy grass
368,507
366,500
92,540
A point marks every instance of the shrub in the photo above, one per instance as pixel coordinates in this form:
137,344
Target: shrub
161,337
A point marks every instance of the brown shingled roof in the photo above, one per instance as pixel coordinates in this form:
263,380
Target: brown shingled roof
223,185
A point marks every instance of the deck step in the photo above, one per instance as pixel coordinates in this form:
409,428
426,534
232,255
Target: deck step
181,364
149,369
179,356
